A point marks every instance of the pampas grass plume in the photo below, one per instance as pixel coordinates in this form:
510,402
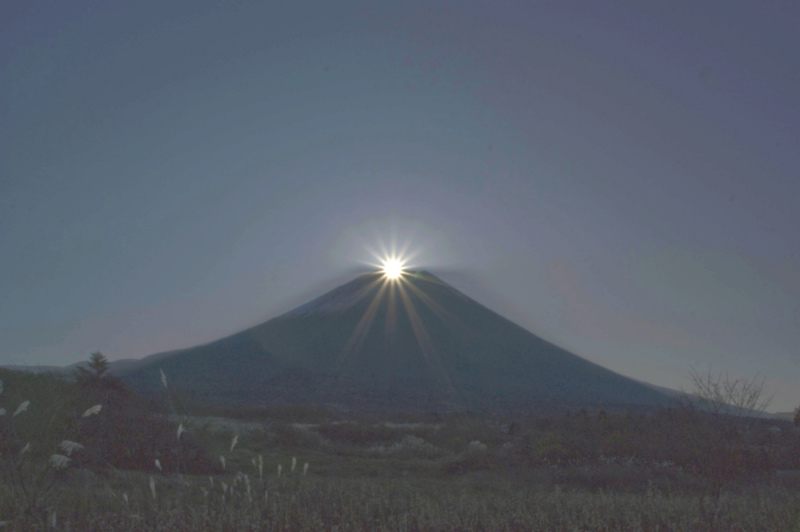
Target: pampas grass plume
92,411
59,461
21,408
70,447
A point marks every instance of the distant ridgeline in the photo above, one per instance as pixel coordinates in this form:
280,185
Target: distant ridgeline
412,344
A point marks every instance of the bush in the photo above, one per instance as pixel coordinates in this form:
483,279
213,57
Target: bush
352,433
289,437
468,463
460,429
41,434
128,435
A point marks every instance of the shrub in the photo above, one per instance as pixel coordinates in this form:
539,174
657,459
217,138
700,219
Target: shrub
40,436
287,436
352,433
129,436
468,463
458,430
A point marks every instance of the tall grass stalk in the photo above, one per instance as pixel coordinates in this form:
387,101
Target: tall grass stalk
50,431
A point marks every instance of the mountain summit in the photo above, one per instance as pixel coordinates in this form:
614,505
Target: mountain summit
407,344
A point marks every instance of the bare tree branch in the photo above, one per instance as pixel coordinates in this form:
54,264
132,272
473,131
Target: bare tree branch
718,393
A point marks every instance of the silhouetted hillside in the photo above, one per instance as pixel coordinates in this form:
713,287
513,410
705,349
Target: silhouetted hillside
371,343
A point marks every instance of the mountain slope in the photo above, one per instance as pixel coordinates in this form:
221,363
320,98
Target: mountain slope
414,344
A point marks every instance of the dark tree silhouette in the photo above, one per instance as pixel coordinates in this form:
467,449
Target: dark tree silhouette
98,366
127,434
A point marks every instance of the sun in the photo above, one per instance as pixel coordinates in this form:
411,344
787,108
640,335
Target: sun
392,268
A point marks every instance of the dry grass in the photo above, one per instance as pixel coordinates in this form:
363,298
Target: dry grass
460,474
295,502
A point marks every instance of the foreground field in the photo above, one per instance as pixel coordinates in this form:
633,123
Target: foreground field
294,502
361,487
69,463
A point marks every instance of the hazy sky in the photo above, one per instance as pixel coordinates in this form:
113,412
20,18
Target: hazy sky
622,179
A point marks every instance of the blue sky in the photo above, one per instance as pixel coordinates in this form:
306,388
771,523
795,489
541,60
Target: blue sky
619,178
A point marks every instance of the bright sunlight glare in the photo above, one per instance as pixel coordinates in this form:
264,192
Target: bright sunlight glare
392,268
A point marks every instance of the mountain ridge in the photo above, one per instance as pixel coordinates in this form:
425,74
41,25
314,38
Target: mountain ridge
414,344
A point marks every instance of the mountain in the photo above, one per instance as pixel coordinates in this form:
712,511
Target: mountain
415,343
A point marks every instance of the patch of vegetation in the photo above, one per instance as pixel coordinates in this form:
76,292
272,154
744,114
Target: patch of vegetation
135,465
